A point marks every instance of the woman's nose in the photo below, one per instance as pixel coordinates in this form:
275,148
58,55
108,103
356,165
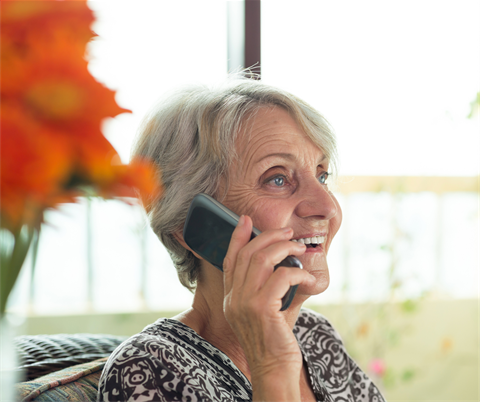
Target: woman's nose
316,201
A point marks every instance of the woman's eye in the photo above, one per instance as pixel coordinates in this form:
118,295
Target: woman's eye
279,181
323,178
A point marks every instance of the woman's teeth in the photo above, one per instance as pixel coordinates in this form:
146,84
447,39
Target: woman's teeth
311,240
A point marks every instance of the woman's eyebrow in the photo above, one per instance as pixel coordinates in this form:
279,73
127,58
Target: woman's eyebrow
286,156
283,155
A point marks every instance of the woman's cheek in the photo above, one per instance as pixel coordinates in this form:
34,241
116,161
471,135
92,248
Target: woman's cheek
268,214
339,216
335,222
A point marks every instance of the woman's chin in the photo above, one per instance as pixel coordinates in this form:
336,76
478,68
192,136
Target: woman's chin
317,287
316,265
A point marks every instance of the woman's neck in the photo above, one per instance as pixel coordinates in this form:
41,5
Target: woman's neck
207,319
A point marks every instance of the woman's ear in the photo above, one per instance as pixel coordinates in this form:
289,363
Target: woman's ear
179,237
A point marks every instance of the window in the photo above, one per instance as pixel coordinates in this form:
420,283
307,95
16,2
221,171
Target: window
397,90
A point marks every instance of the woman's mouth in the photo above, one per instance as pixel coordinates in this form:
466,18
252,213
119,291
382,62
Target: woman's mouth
313,243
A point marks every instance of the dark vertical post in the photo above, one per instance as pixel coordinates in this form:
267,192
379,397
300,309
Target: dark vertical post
253,37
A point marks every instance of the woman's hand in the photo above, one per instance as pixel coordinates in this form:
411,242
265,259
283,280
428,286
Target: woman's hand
253,293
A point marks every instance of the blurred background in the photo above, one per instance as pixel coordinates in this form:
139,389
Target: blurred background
399,82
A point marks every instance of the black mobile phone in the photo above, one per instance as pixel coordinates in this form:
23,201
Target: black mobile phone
208,230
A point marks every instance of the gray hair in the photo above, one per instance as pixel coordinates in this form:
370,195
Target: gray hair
191,137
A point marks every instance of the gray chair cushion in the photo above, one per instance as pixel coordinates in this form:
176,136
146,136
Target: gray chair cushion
43,354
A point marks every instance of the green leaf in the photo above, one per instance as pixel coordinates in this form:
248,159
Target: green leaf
409,306
408,375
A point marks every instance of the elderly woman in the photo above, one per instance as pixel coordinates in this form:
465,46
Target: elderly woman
266,155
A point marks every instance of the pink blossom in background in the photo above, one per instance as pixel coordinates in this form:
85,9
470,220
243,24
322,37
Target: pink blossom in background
377,366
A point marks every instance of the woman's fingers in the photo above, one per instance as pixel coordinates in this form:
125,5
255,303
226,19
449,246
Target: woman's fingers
249,265
241,249
263,261
257,255
280,281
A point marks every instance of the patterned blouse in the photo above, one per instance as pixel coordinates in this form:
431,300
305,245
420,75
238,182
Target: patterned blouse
168,361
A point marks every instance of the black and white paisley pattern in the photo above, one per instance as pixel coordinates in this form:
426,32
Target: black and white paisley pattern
330,367
168,361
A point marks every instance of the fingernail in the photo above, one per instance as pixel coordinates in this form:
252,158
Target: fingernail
286,230
241,221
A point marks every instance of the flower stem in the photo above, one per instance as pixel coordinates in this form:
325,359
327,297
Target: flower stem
13,251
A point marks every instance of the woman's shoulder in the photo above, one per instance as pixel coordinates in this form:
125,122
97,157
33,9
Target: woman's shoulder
135,355
169,361
165,342
170,341
146,367
163,334
154,337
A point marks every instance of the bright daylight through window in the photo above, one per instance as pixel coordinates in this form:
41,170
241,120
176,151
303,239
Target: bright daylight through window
398,92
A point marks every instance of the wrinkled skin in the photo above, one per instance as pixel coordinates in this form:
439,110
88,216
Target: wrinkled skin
278,183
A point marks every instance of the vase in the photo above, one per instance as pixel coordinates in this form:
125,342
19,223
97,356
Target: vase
9,375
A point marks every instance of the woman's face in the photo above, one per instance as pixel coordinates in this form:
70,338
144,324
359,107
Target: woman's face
278,180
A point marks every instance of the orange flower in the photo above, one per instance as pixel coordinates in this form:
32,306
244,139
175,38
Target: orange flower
139,176
68,99
30,22
52,110
32,167
54,84
32,31
52,149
